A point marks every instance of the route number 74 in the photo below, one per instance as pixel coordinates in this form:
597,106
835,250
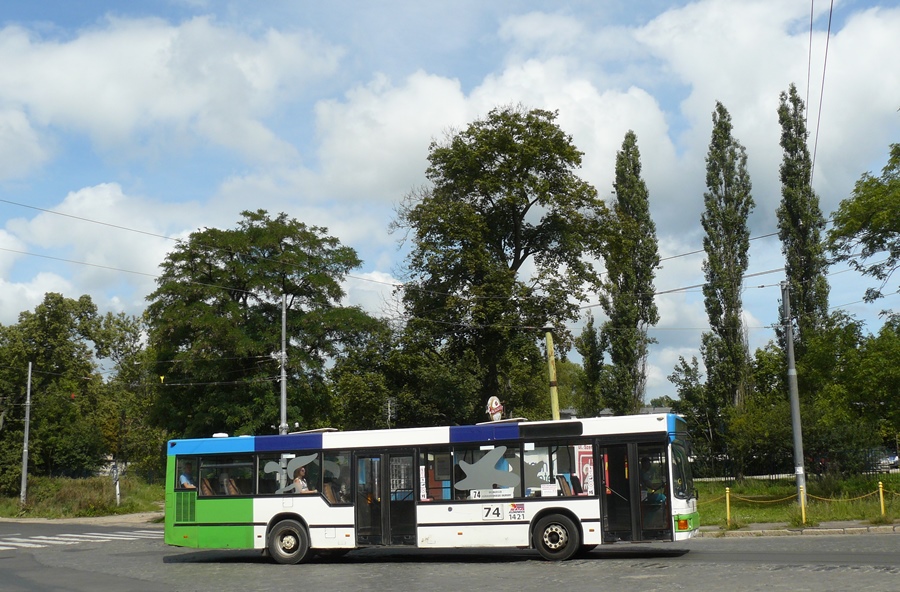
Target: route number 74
492,512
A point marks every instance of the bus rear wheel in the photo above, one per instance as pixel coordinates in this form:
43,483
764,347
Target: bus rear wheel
556,537
288,542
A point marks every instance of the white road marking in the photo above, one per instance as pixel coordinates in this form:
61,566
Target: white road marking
16,541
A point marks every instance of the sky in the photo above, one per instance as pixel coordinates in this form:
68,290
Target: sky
126,126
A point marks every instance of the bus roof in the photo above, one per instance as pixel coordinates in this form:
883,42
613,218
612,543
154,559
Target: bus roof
668,423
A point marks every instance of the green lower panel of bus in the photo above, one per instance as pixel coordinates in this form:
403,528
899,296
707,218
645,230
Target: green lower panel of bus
218,523
211,536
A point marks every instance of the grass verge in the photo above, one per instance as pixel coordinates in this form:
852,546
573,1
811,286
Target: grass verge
49,497
775,501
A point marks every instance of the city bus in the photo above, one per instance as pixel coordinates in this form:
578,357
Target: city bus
560,487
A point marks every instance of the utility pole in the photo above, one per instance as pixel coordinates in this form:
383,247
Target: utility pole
551,366
24,488
283,426
794,394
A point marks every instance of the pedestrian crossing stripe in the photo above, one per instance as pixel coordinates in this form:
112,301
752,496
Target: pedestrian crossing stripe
17,542
41,541
51,540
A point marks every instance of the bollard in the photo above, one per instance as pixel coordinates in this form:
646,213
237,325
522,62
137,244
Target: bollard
802,506
728,506
881,495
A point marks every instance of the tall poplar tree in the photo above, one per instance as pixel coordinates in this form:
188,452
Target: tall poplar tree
800,222
727,240
631,256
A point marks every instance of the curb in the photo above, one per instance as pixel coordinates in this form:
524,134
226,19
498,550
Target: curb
811,531
146,519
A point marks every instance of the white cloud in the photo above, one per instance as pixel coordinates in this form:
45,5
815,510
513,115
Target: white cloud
373,292
21,147
105,257
373,145
16,297
119,82
542,33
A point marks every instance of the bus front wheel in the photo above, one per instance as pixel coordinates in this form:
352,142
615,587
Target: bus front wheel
556,537
288,542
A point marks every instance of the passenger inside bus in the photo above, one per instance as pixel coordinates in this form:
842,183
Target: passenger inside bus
300,482
187,478
651,483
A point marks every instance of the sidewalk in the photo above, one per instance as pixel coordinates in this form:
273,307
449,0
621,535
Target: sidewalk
143,519
783,529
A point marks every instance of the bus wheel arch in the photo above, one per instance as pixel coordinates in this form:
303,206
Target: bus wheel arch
556,535
288,541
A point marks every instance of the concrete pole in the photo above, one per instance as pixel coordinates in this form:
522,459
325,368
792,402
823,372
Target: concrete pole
794,394
551,365
283,426
24,485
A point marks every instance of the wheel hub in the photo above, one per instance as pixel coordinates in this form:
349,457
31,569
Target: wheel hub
289,542
555,537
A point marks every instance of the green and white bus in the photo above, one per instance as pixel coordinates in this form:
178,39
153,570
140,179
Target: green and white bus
561,487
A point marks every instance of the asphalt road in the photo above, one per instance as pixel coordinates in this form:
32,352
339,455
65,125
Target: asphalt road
84,557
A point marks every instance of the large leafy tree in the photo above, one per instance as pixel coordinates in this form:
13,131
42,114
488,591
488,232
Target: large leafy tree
843,398
498,243
215,325
395,381
631,256
726,242
65,391
759,432
867,225
800,222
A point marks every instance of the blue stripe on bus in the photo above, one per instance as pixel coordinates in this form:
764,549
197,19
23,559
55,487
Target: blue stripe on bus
480,433
288,442
210,445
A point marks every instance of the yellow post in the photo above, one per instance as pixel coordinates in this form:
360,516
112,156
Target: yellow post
551,364
881,495
802,506
728,506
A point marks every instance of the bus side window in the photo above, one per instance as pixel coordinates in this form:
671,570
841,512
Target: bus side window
185,477
437,464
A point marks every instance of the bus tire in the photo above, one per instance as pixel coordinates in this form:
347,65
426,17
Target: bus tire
556,537
288,542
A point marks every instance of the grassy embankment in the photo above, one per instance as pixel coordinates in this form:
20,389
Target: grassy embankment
853,498
74,498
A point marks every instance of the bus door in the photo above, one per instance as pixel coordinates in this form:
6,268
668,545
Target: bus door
616,499
635,504
652,480
385,499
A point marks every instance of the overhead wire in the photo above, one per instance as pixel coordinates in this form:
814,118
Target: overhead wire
821,95
232,289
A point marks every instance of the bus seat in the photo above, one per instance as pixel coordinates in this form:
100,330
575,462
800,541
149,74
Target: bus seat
564,486
231,488
576,485
206,488
328,489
